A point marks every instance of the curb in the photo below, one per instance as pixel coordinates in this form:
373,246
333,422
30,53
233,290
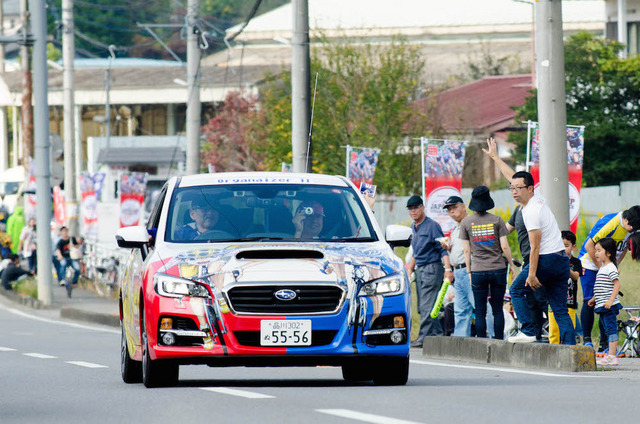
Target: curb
112,320
22,299
520,355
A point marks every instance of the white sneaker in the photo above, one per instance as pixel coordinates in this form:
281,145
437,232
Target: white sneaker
521,338
62,283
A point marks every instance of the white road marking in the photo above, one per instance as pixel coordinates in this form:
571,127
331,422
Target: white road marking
69,324
86,364
361,416
508,370
6,349
234,392
39,355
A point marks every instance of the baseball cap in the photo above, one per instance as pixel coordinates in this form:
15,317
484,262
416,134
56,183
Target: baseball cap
414,201
452,200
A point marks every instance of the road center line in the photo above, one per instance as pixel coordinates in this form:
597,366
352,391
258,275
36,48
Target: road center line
508,370
7,349
234,392
86,364
361,416
39,355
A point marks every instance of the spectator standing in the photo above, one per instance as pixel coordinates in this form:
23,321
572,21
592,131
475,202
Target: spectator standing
548,265
575,271
27,244
463,304
15,224
537,300
484,238
13,271
63,255
619,227
428,256
605,295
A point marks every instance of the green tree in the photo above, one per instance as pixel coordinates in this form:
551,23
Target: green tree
603,93
364,97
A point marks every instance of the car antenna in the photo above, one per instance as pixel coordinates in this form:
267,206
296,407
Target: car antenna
313,105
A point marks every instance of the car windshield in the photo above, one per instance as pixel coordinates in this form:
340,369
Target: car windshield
265,212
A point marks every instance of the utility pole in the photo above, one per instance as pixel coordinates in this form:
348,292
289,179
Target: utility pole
622,27
27,92
552,112
42,171
4,133
68,54
193,88
300,88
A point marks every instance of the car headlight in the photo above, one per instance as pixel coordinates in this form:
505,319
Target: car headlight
167,285
387,286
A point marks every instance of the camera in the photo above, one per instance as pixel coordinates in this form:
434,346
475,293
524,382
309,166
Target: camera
308,210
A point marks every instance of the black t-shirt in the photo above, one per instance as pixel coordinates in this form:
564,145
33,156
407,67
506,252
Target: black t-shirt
572,285
517,222
63,247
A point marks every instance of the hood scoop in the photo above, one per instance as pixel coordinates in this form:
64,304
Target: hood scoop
280,254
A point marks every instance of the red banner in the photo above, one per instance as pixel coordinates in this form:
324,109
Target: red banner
132,188
59,211
442,164
575,156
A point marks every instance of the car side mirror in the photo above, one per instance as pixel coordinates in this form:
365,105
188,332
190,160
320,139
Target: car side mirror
398,235
135,237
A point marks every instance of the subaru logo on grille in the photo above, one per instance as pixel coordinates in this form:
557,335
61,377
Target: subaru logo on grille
285,294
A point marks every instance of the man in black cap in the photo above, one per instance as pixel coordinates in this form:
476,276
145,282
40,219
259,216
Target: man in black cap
204,216
463,304
426,262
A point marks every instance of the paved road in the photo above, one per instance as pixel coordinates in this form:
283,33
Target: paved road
55,371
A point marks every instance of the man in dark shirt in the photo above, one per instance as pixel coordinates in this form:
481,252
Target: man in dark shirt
13,271
205,217
427,259
63,255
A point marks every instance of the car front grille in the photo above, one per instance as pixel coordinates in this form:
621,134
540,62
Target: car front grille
252,338
261,299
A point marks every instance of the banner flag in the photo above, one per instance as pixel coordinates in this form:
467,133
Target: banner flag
132,189
90,190
59,211
361,164
575,157
30,201
442,165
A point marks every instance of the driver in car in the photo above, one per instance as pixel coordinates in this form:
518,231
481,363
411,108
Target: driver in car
204,216
309,220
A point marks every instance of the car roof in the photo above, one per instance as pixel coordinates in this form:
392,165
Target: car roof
261,178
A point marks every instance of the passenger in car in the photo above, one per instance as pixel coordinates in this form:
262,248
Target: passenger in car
308,220
204,216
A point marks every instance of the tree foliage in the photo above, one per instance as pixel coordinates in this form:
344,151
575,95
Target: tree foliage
227,146
364,98
603,94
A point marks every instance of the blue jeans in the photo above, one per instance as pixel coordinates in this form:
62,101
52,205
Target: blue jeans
553,273
428,282
608,319
463,303
484,283
62,271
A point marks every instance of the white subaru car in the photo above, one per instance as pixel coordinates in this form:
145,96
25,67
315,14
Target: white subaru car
264,269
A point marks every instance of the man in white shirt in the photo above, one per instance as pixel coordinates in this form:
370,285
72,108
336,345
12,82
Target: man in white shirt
548,267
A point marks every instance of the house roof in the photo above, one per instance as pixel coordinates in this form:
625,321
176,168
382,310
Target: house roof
483,105
141,155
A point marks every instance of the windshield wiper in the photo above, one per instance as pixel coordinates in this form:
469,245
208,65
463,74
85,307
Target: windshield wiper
352,239
236,240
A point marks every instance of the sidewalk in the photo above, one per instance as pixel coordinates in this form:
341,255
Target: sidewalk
84,305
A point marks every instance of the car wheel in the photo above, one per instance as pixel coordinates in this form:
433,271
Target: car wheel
156,373
131,370
391,371
357,372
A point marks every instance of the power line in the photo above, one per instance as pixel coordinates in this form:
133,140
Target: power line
251,15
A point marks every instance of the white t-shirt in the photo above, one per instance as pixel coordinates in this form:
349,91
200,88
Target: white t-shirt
537,216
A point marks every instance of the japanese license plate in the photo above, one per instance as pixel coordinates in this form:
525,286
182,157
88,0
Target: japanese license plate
285,332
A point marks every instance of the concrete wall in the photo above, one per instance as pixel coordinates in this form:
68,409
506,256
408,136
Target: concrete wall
594,202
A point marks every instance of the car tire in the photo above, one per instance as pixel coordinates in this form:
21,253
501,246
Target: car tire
131,370
391,371
357,372
156,373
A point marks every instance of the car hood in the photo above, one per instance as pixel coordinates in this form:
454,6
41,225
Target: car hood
348,264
